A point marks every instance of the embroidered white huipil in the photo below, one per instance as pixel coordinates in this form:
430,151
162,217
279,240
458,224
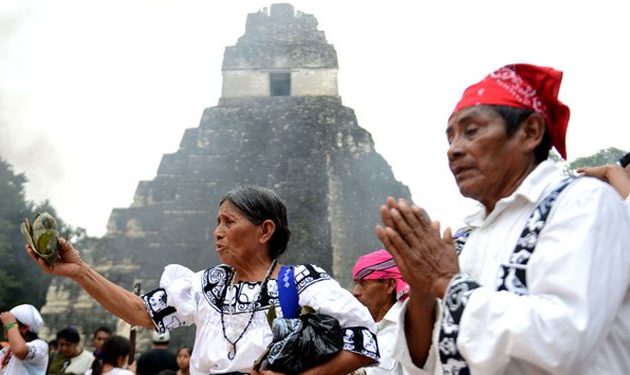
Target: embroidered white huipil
186,297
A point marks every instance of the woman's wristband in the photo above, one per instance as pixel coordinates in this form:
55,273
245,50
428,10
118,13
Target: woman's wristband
9,325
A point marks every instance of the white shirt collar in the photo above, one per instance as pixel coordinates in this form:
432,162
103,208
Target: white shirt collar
531,189
392,315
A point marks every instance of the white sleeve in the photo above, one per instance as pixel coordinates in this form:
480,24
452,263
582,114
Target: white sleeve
319,291
37,352
401,348
173,304
577,278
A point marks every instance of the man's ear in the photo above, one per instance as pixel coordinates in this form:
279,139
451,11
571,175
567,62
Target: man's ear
532,131
391,286
267,229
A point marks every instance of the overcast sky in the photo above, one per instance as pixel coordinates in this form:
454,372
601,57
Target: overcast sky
93,93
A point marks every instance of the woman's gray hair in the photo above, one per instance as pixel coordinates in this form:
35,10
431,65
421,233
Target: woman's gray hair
259,204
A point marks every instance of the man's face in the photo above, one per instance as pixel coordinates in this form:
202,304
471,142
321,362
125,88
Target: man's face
66,348
376,295
481,156
99,339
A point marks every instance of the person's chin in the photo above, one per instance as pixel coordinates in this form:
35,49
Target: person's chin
467,188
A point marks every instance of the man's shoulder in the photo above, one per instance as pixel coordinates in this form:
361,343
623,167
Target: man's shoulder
83,357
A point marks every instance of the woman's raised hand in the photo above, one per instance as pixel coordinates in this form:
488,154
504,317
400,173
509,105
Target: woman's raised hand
68,264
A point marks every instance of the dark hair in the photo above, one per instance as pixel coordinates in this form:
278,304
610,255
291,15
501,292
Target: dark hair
513,118
187,348
28,335
102,329
113,348
259,204
69,334
624,160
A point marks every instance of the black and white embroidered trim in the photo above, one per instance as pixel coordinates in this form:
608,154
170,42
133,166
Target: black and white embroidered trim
455,300
460,237
214,280
361,341
160,312
512,276
307,275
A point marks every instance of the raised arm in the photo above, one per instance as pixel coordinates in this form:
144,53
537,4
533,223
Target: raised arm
12,333
112,297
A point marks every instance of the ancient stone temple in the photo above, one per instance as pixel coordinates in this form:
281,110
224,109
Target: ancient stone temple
280,123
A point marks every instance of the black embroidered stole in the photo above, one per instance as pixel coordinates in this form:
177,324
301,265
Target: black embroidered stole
511,277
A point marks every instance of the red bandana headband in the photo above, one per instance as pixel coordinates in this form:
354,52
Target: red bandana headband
524,86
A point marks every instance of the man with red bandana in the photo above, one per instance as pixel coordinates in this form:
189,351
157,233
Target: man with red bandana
538,282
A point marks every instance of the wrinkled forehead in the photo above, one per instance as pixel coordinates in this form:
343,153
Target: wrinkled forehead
472,112
228,207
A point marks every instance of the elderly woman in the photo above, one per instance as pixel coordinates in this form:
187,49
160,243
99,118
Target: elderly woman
228,303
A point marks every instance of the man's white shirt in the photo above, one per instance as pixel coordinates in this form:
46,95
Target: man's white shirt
576,317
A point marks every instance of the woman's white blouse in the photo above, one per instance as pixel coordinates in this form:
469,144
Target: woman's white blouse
186,297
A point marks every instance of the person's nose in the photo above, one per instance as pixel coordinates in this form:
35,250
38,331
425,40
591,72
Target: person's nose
218,232
455,149
356,290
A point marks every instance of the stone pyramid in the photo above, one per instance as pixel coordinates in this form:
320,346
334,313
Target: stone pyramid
280,123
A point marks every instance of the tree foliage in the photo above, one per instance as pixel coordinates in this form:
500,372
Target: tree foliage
606,156
21,280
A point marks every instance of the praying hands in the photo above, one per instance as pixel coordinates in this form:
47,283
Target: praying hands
426,260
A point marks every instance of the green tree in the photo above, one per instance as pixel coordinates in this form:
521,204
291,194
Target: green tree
13,209
21,280
606,156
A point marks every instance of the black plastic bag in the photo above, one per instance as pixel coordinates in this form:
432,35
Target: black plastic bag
299,344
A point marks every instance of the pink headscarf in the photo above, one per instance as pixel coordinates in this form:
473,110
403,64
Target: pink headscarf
379,265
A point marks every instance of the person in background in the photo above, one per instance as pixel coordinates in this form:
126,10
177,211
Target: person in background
52,346
25,353
379,285
538,282
159,357
113,357
70,357
183,360
617,175
101,334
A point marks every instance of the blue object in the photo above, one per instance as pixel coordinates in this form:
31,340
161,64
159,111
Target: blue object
287,293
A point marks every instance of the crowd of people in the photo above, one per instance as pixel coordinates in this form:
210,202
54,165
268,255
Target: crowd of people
537,281
26,353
